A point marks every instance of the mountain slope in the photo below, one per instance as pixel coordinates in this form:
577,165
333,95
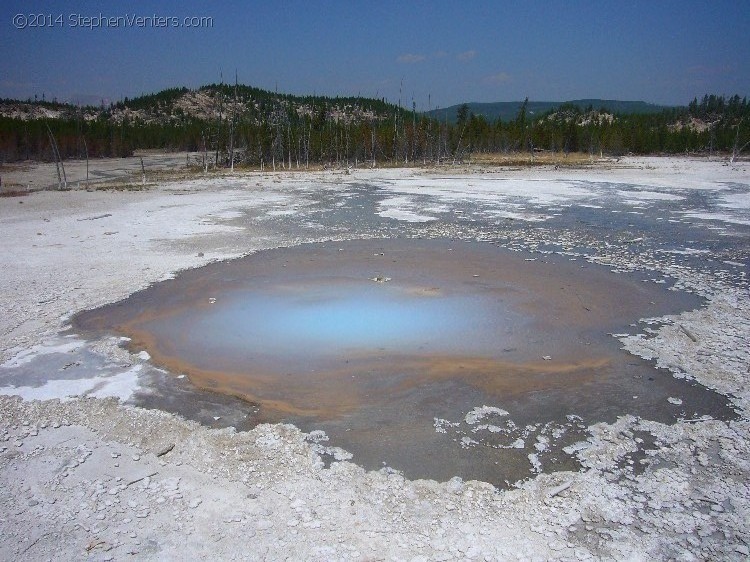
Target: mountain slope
507,110
208,104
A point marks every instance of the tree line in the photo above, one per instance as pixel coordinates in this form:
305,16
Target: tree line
240,125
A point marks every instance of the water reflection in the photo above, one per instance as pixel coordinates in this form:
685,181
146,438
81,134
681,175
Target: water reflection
307,336
280,326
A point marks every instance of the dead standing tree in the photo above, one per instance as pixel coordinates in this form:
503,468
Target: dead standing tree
737,148
279,120
205,158
219,121
86,148
372,140
232,124
62,179
462,119
81,138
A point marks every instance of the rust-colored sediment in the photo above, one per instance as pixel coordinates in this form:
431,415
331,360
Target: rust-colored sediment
568,307
371,380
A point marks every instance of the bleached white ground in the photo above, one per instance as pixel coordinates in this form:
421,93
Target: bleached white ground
88,478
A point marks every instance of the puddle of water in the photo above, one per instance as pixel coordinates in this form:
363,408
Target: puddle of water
387,344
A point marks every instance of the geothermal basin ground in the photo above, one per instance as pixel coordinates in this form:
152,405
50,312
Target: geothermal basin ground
454,363
388,345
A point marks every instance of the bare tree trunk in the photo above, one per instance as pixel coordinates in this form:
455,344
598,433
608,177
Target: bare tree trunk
205,159
429,127
531,148
307,147
58,160
57,164
413,129
336,145
62,167
346,136
737,149
86,149
218,125
231,126
458,147
231,138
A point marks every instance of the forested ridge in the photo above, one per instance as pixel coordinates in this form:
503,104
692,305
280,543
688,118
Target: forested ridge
507,110
241,125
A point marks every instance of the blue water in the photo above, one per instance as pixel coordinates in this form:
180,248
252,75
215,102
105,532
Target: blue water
285,324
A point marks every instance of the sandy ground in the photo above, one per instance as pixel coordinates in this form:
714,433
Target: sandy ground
34,176
89,477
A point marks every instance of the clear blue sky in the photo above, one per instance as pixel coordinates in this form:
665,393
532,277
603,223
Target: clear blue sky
448,52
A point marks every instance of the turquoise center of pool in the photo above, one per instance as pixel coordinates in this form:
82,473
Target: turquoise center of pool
276,327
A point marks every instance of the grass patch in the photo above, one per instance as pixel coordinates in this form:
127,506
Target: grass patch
121,187
539,159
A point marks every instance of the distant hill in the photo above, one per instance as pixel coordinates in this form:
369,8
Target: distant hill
208,104
228,123
507,110
236,124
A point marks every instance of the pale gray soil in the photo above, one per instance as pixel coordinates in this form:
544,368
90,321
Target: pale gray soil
90,478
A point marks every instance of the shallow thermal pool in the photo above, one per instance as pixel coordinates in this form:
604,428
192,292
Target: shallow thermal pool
434,357
298,327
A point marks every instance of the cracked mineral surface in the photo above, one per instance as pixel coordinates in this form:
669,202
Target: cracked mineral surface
96,464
